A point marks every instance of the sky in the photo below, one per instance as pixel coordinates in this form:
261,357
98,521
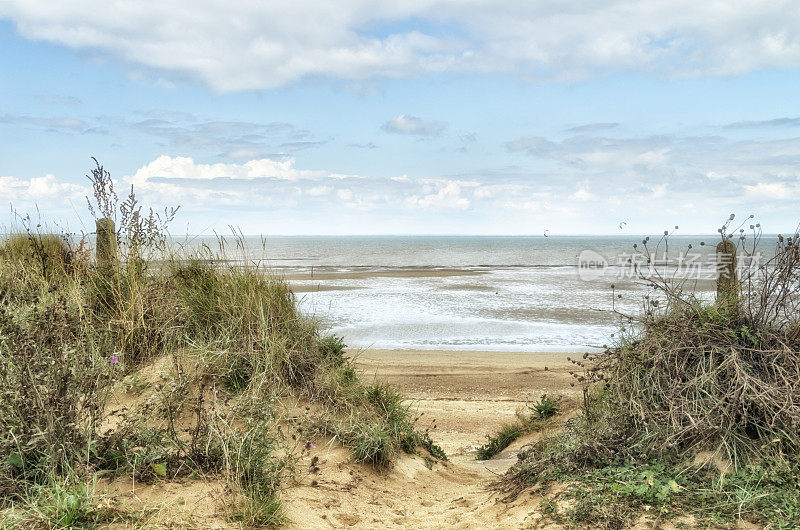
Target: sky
416,117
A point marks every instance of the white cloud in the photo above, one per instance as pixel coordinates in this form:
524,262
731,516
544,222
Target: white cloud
48,200
165,169
35,189
553,186
483,192
405,124
318,191
447,195
233,46
278,183
769,190
582,194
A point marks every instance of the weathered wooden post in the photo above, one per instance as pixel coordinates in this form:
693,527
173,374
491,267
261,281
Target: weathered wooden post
727,283
106,252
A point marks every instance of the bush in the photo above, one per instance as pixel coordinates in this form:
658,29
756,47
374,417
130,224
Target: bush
333,348
53,386
700,376
689,375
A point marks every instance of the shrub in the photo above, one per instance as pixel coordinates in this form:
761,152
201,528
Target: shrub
53,386
685,376
333,348
690,374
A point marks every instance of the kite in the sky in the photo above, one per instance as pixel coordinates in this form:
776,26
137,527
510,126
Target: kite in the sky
545,233
622,225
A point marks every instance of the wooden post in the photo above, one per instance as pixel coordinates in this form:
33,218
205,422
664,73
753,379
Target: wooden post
727,283
106,252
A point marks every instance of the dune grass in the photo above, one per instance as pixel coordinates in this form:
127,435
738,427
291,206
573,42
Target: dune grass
539,412
687,379
233,352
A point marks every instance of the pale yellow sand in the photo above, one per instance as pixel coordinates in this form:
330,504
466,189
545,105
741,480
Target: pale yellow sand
470,394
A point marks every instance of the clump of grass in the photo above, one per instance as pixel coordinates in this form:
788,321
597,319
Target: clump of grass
54,382
688,376
50,253
545,408
251,458
371,443
377,425
504,437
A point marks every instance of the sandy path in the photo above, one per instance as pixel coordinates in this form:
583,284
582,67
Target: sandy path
469,395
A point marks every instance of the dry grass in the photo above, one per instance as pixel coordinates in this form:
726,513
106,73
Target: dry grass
235,352
688,376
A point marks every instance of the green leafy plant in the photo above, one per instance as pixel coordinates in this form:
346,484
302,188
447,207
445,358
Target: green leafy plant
546,407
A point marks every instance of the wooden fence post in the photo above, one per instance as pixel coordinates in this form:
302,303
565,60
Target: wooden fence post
727,283
106,252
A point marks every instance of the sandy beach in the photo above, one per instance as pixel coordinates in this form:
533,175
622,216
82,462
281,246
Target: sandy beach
469,393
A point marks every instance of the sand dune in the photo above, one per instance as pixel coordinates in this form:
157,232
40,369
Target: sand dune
467,395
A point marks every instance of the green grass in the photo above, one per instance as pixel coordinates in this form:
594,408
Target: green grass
615,496
504,437
60,502
376,426
233,347
545,408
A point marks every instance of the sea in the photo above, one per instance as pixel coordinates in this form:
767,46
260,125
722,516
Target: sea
483,293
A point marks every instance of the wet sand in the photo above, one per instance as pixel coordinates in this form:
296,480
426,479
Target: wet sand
334,273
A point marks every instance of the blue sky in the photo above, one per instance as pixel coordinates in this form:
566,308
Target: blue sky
434,117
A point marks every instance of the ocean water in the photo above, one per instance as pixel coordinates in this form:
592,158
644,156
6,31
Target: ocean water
528,294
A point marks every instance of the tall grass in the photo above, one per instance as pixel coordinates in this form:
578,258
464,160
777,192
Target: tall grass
234,353
689,376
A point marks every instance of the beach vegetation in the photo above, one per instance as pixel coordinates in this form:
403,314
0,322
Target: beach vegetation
495,444
546,407
694,412
166,364
378,425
